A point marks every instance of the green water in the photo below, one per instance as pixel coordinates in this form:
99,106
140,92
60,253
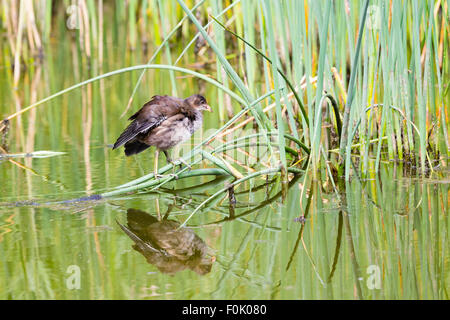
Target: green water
382,237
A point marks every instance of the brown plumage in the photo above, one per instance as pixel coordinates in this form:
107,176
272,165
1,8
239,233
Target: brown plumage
163,122
170,248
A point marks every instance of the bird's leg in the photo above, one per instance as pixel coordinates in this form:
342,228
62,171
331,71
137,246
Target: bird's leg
179,159
155,165
169,209
169,160
155,168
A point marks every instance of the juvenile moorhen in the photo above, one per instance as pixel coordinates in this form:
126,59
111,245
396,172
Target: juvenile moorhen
163,122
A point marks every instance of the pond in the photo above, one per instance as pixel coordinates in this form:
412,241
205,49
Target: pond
380,235
378,240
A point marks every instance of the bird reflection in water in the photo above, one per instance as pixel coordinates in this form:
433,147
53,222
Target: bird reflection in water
170,248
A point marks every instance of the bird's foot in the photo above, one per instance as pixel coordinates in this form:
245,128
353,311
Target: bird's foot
185,163
160,176
173,175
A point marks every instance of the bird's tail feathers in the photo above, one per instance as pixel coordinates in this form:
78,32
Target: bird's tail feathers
134,147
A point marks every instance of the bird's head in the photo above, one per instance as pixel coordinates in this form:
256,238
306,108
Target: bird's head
198,102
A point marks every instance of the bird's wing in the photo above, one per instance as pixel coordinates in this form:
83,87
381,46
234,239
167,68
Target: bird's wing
138,127
158,105
150,116
143,245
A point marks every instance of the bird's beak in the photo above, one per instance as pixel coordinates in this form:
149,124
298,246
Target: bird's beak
208,108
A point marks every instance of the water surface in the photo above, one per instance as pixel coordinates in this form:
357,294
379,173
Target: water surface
381,237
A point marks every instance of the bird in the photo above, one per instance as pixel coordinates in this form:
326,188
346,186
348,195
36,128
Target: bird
163,122
167,246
